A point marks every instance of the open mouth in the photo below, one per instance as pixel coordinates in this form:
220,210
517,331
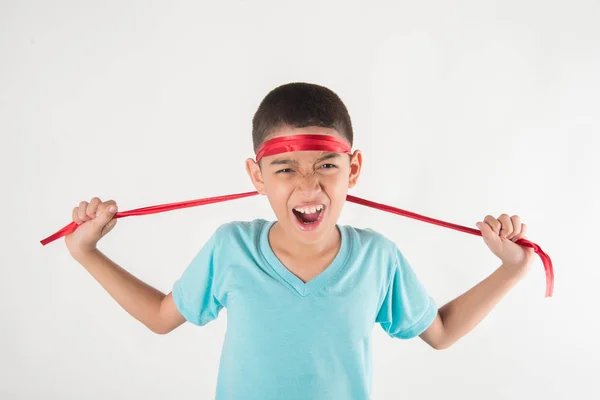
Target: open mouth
309,215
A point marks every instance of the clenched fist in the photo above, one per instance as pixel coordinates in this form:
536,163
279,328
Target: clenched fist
95,219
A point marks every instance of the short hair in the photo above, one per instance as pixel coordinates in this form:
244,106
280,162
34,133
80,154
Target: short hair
300,105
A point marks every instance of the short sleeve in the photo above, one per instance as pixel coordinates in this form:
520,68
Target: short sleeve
194,292
407,309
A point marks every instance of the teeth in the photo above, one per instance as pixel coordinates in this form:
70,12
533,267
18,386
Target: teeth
309,210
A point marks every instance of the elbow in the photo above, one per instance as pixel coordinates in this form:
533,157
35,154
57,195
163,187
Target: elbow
440,346
162,331
159,329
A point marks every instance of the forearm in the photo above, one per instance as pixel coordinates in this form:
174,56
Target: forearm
465,312
140,300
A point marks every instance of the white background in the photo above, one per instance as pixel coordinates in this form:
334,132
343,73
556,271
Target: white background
462,109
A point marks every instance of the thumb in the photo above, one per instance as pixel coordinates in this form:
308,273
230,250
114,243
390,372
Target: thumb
105,217
486,231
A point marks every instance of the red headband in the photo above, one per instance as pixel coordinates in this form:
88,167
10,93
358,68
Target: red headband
320,143
284,144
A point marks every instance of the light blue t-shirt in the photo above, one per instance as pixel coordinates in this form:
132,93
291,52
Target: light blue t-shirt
287,339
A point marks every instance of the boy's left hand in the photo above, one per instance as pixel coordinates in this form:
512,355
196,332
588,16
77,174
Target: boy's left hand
500,234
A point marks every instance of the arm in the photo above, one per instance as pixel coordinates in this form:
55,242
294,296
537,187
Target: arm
148,305
461,315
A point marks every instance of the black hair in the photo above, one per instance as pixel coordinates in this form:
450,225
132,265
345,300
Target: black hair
300,105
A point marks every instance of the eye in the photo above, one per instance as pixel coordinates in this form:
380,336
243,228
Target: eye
285,170
328,166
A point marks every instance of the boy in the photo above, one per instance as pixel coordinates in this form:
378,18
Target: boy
302,292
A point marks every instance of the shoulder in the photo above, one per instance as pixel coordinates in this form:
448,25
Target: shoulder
370,238
372,244
240,232
241,228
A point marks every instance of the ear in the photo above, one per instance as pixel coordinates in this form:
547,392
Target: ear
255,174
355,168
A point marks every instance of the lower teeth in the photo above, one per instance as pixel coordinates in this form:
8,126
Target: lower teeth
312,222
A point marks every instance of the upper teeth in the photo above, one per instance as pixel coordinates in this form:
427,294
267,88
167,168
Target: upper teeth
309,210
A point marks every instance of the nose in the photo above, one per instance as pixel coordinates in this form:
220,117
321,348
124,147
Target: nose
309,185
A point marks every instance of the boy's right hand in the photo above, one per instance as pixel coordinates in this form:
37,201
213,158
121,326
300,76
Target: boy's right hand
95,219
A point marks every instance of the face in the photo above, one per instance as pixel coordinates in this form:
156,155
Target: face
306,189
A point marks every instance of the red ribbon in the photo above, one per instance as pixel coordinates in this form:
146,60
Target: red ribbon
284,144
210,200
321,143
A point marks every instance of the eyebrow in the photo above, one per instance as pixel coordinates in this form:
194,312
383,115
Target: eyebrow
294,162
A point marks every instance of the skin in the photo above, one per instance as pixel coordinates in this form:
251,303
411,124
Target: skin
292,179
289,180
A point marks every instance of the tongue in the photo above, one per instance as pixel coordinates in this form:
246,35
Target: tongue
309,217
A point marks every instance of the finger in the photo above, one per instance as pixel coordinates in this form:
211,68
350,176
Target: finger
81,212
105,216
92,206
521,235
507,227
516,224
75,216
493,223
104,206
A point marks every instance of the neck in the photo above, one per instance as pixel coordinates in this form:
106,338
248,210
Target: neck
291,246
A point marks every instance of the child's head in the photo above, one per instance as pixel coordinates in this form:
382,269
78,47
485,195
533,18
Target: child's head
296,183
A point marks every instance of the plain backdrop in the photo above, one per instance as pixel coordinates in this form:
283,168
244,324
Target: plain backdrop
462,109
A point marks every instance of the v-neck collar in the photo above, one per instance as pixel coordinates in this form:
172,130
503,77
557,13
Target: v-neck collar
292,281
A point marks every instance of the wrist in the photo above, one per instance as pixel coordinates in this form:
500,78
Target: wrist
514,271
82,256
